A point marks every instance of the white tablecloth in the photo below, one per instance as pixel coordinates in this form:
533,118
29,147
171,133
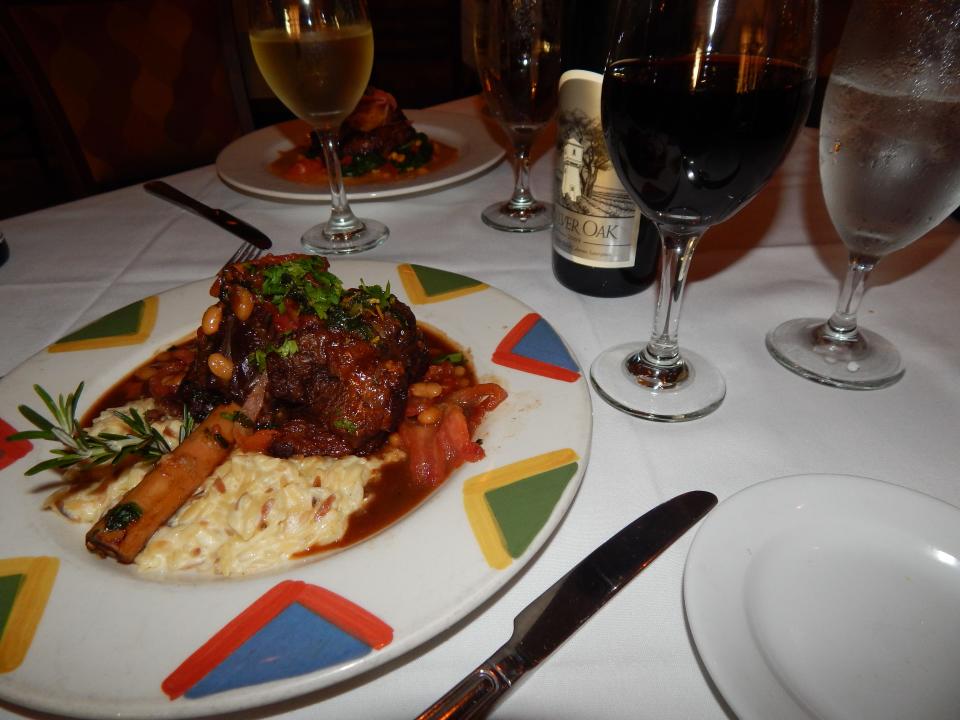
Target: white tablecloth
779,258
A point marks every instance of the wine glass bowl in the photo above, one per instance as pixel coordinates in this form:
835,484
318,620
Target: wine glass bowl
890,172
317,56
701,102
517,52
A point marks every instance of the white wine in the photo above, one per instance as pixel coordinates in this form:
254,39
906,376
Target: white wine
888,162
320,75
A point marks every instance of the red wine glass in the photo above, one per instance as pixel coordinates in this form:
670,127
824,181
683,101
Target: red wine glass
701,102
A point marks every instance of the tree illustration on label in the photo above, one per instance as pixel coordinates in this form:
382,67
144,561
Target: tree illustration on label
595,221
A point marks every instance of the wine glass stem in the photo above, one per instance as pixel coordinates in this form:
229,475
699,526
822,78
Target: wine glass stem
842,325
659,364
522,197
342,220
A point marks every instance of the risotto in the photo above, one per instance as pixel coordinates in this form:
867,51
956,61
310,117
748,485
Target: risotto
253,513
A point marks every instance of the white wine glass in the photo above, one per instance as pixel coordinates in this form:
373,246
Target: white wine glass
317,56
701,101
517,50
890,171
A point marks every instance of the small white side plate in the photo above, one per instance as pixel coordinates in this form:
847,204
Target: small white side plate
829,597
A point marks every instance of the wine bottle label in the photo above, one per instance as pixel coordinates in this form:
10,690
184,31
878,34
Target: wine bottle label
595,222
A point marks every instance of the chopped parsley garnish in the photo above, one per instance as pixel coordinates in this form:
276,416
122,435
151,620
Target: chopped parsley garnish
455,358
303,286
122,516
360,305
376,294
259,357
304,281
288,348
345,425
239,417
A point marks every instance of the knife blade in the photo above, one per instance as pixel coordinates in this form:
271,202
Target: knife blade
558,612
221,217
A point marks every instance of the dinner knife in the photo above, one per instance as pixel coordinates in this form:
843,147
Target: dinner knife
548,621
221,217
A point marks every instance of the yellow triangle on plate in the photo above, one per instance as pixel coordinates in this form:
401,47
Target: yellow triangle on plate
130,325
534,487
429,285
28,581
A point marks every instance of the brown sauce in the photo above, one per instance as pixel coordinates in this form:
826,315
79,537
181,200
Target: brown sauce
134,385
391,494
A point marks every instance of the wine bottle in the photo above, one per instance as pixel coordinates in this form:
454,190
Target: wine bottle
602,245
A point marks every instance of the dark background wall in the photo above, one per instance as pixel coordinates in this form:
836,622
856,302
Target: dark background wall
421,56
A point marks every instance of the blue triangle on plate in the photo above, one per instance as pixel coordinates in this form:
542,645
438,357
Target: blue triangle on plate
542,343
295,642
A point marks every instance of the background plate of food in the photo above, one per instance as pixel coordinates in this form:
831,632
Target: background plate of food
345,520
384,151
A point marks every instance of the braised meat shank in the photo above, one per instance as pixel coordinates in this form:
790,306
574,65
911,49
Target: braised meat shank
382,140
376,127
323,368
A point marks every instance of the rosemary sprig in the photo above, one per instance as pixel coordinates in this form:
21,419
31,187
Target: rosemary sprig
187,423
80,446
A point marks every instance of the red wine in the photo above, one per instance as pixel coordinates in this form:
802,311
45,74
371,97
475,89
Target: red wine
694,153
602,246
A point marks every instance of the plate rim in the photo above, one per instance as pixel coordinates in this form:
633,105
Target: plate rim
258,695
483,154
727,677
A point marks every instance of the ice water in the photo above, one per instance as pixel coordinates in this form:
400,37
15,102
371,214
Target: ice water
889,162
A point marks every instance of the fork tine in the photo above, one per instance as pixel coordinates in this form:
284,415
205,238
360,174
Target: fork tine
245,252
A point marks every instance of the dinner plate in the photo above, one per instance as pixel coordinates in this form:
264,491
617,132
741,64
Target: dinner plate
829,597
244,162
88,637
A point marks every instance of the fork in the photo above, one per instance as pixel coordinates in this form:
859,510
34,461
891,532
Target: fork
244,253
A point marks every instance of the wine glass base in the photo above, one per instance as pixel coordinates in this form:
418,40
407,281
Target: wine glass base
870,364
699,394
319,241
503,216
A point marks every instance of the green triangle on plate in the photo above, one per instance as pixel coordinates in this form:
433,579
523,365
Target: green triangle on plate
9,587
438,282
125,321
522,508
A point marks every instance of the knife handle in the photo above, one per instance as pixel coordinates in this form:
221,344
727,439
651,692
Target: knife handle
475,695
170,193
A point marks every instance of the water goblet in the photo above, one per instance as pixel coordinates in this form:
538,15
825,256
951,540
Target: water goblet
517,50
701,101
890,171
316,56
